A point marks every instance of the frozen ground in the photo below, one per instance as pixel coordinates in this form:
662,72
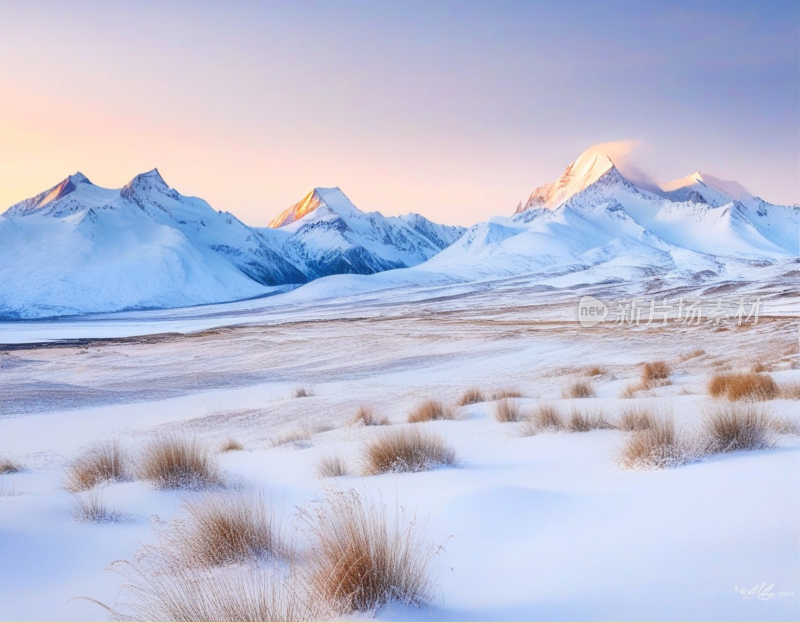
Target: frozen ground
544,527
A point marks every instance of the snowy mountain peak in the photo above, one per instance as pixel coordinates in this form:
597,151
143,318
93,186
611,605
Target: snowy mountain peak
148,180
332,198
713,190
42,200
582,173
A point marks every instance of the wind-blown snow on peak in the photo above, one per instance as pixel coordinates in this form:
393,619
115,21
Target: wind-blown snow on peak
579,175
333,198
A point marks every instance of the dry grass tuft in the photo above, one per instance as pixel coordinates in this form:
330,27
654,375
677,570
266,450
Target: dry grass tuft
748,386
103,462
595,371
584,421
507,410
161,590
630,390
471,397
428,411
661,446
7,466
692,355
635,418
731,427
578,389
543,419
225,529
758,367
655,371
789,391
785,426
169,462
407,450
331,466
231,445
365,416
506,393
360,560
302,392
299,436
90,507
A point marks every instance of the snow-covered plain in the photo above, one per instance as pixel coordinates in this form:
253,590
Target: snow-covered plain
547,527
544,527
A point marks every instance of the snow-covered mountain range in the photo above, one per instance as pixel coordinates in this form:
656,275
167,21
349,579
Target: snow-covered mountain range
592,216
79,248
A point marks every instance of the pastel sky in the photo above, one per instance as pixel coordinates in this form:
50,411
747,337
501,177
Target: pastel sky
453,109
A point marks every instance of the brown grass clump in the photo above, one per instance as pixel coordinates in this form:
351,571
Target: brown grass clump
506,393
758,367
103,462
785,426
630,390
655,371
661,446
302,392
331,466
507,411
430,410
789,391
578,389
90,508
748,386
471,397
225,529
365,416
595,371
231,445
169,462
544,418
162,590
635,418
584,421
299,436
7,466
731,427
407,450
699,352
360,560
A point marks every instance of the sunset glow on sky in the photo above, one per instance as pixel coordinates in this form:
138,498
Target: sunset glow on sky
457,110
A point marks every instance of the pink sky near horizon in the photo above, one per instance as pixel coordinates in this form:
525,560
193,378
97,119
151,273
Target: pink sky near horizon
446,111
